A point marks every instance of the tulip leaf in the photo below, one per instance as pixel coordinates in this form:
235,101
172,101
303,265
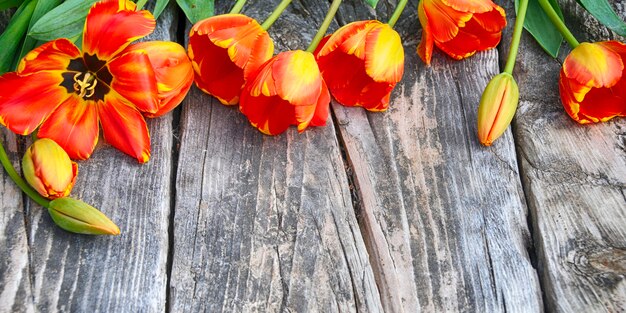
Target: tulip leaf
371,3
541,28
13,34
64,21
159,7
602,10
6,4
43,6
197,10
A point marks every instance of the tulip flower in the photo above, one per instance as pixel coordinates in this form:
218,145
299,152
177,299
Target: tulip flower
592,83
459,28
497,107
79,217
361,63
286,90
68,92
225,50
48,169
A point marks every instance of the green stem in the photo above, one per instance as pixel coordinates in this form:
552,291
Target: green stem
558,23
325,24
140,4
4,159
396,14
517,34
238,6
274,16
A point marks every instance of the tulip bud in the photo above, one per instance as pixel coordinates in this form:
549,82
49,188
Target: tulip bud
79,217
48,169
497,107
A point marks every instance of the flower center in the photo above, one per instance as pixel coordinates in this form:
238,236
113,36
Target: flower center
86,86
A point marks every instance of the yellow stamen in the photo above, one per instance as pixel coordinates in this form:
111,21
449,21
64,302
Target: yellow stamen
86,87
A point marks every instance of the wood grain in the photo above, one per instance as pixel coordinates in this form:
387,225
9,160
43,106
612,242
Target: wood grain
443,217
265,223
73,273
575,183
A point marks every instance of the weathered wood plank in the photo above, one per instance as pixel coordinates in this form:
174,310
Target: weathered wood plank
15,286
575,182
265,223
73,273
443,217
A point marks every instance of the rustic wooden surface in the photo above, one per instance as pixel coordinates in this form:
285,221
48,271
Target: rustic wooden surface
401,211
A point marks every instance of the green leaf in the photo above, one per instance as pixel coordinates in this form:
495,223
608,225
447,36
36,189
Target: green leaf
159,7
603,11
64,21
541,28
43,6
13,34
371,3
6,4
196,10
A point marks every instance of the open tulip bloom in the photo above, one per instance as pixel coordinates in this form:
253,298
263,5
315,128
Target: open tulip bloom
459,28
68,92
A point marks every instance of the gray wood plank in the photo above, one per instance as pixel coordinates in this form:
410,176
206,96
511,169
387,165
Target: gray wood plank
265,223
15,285
443,217
73,273
575,182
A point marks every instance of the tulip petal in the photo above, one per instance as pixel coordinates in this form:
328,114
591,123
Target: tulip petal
350,38
172,70
602,104
322,109
134,79
384,55
300,80
593,65
469,40
271,115
25,101
469,6
491,21
124,127
112,25
51,56
425,47
74,126
445,21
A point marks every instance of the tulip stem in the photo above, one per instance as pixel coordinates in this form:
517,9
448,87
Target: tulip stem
19,181
517,35
398,11
325,24
238,6
558,23
274,16
140,4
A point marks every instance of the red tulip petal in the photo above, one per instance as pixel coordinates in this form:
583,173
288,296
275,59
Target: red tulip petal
384,55
112,25
74,126
134,79
322,108
271,115
25,101
470,39
297,77
51,56
602,104
469,6
425,47
262,51
593,65
493,20
124,127
444,21
349,38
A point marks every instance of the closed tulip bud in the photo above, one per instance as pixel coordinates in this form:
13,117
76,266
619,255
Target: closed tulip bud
48,169
79,217
497,107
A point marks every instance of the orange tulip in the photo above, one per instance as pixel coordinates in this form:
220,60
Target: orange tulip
361,63
225,50
286,90
459,27
592,82
68,92
48,169
172,70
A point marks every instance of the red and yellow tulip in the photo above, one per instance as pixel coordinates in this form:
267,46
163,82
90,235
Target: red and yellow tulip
48,169
459,28
593,82
361,63
225,50
287,90
68,92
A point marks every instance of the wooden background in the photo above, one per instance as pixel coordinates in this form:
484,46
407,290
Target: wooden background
401,211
